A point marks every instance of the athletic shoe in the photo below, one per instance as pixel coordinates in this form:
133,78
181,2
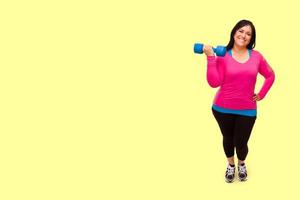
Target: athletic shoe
229,174
242,172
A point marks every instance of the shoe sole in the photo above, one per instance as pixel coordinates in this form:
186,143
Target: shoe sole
242,179
229,181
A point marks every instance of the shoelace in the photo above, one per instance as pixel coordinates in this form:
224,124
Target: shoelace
230,170
242,169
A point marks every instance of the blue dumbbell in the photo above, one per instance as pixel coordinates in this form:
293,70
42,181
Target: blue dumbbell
219,50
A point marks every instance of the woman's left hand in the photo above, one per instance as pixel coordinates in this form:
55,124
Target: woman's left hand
256,97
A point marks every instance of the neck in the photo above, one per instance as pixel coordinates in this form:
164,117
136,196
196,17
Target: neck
239,49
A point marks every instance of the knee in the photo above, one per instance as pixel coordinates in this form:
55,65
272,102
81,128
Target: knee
228,140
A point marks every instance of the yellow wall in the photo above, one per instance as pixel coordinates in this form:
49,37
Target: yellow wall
108,101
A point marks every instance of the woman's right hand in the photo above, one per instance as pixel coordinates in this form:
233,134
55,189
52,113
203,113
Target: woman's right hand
208,50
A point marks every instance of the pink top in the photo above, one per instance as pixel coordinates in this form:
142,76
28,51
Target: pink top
237,80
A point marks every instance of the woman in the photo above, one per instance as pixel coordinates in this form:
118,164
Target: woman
234,106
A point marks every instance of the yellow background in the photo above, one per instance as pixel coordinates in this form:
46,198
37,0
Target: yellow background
106,100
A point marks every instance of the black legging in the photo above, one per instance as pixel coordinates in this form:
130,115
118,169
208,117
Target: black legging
236,130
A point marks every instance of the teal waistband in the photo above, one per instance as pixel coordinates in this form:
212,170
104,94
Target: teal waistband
250,112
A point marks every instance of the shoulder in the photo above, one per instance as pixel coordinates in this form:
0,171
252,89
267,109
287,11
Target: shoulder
262,61
257,54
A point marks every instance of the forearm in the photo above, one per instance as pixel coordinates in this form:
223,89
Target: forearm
212,75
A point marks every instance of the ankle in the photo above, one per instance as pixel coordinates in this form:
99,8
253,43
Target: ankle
241,163
231,165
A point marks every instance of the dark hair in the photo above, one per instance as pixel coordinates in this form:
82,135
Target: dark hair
240,24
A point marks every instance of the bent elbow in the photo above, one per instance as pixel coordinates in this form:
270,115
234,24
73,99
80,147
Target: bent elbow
213,84
272,77
213,81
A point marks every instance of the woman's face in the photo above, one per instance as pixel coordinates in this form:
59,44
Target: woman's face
242,36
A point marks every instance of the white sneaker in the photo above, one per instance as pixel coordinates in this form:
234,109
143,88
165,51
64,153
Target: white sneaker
229,174
242,172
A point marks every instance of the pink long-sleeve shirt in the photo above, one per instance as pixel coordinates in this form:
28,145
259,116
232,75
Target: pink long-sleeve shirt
237,80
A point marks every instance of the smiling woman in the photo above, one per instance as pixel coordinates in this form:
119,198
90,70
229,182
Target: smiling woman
242,38
234,106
